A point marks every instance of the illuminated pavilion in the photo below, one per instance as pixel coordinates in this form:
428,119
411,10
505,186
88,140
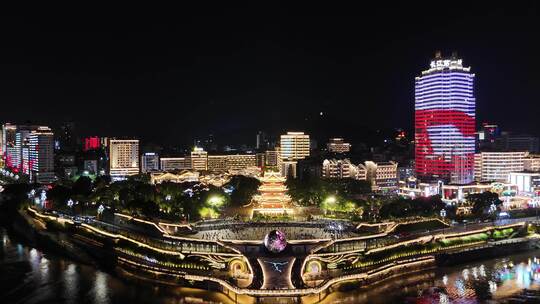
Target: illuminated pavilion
272,198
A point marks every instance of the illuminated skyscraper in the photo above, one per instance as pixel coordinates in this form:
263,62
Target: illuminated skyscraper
40,155
445,121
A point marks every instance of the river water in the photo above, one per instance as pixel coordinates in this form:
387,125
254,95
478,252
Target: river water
28,275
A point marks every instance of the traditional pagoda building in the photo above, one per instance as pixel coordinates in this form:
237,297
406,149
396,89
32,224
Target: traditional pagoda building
272,198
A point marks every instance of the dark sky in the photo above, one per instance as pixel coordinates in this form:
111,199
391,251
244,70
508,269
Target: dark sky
172,74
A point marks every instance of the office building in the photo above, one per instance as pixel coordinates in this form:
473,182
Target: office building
261,159
175,163
149,162
38,155
532,163
382,175
15,146
495,166
241,161
294,146
445,121
271,158
338,145
67,136
233,162
123,158
199,159
217,163
262,142
288,168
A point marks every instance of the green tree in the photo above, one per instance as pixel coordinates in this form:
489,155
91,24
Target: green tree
83,186
481,202
243,189
59,195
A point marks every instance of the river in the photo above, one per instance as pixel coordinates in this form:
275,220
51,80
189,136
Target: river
28,275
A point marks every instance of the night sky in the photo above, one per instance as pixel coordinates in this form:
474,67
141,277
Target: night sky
169,75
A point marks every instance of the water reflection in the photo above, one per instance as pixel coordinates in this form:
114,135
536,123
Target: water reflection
29,276
101,288
70,281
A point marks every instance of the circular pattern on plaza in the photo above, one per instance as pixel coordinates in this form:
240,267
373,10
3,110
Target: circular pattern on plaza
275,241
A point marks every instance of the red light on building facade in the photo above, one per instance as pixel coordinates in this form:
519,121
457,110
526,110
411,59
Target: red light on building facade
445,122
91,143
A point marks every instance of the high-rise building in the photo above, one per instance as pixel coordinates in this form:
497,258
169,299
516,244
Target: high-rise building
123,158
38,155
445,121
338,145
495,166
67,136
294,146
199,159
149,162
262,141
8,144
15,144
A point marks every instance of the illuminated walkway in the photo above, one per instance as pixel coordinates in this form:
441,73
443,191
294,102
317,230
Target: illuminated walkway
306,267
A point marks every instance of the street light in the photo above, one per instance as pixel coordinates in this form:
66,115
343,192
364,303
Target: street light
492,208
331,200
215,201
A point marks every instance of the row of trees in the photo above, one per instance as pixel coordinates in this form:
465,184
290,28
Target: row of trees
167,200
191,201
313,191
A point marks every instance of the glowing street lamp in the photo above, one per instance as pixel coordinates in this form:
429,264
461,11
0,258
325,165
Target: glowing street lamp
492,208
443,213
330,200
215,201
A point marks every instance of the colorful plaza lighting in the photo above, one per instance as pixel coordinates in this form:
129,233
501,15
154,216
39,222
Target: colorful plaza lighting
445,121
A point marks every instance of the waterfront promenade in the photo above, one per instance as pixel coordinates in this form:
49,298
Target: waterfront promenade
316,257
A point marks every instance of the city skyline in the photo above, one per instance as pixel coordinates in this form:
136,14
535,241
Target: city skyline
278,74
271,153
